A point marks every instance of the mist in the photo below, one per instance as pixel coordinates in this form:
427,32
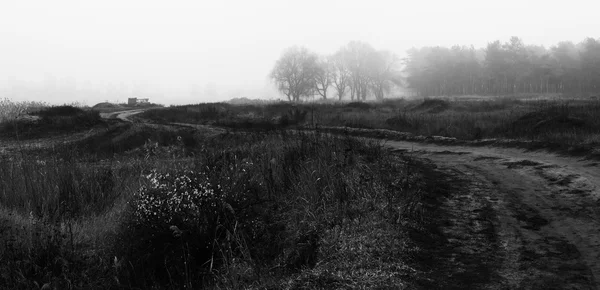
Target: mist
200,51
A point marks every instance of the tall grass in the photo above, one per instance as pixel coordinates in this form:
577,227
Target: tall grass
561,121
54,188
10,110
266,201
25,120
247,209
58,217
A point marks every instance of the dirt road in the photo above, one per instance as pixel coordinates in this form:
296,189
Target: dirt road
517,219
122,115
10,146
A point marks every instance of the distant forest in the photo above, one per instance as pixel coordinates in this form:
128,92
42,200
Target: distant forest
360,71
505,68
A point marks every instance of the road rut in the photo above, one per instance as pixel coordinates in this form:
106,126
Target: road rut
543,209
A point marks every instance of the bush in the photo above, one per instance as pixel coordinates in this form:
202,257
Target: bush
294,116
10,110
177,223
253,201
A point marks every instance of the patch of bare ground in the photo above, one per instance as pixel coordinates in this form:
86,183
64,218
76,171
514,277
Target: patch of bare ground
588,151
459,246
8,146
518,220
534,253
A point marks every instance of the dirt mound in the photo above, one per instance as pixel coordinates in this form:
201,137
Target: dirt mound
559,122
433,106
105,106
530,119
552,119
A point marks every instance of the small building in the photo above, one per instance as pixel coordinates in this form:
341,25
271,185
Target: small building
136,101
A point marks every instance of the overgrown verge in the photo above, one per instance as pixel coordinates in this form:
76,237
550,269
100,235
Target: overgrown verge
590,151
56,220
261,210
49,121
137,140
560,124
247,118
292,210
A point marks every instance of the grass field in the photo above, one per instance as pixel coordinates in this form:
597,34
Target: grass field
263,204
559,121
154,206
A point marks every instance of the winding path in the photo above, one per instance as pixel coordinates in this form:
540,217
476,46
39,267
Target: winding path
531,218
123,115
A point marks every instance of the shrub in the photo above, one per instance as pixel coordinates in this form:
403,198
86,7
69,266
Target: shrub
294,116
10,110
180,227
254,200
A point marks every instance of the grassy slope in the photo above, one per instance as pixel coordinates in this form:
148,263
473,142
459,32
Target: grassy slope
309,211
570,126
50,121
318,201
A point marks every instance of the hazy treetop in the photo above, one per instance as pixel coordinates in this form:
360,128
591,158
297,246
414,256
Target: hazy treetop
186,49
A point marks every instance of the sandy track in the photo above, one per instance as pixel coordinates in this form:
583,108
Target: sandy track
123,115
11,146
543,210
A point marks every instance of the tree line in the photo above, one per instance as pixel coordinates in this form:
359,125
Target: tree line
356,69
505,68
359,71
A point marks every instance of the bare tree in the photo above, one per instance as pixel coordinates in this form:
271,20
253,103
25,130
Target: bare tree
356,59
323,76
340,75
382,73
294,73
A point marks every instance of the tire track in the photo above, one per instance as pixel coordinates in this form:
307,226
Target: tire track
544,210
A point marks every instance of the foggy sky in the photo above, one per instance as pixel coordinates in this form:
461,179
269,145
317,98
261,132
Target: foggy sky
199,51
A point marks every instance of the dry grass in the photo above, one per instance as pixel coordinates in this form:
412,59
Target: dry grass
282,196
10,110
277,208
562,121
